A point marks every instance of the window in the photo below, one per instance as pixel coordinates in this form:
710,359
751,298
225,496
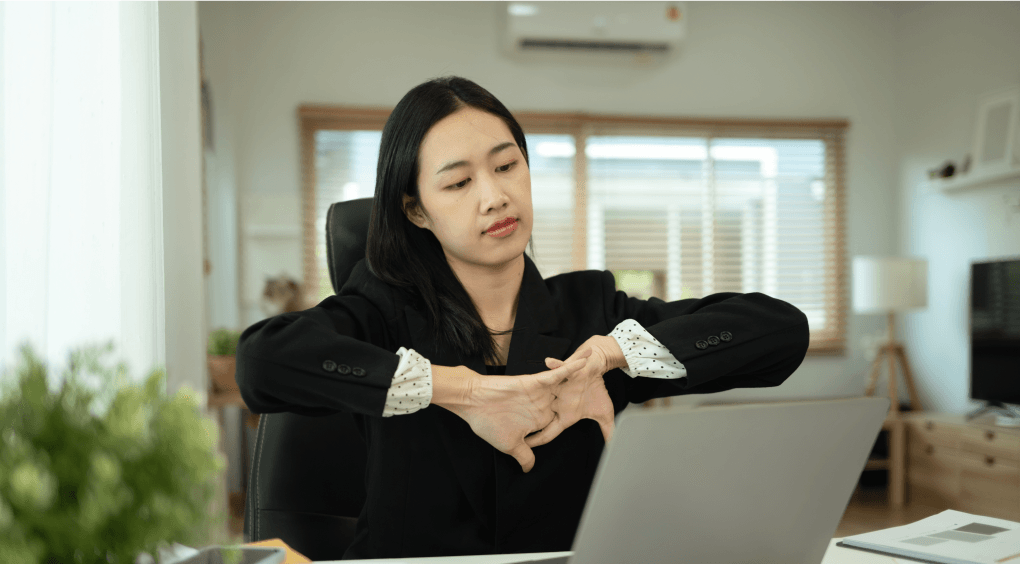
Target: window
345,164
674,208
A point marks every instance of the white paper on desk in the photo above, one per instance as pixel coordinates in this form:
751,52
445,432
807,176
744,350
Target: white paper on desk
952,537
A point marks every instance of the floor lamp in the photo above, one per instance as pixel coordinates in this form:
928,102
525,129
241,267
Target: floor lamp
887,285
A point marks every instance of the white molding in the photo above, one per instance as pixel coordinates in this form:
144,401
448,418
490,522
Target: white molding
267,231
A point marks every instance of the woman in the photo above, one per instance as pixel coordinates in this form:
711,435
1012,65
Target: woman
446,345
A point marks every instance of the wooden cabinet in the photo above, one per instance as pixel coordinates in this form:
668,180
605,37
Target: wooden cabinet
971,466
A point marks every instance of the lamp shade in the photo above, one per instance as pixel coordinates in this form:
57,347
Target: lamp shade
885,284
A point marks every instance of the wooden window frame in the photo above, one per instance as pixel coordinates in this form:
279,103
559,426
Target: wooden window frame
832,341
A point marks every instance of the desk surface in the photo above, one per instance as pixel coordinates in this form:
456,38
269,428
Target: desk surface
833,555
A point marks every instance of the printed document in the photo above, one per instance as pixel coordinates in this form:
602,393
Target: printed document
951,537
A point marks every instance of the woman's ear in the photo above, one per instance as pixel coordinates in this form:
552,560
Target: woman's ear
414,213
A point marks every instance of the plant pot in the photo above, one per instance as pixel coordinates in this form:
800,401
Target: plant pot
221,372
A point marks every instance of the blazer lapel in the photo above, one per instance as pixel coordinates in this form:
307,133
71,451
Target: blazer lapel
536,320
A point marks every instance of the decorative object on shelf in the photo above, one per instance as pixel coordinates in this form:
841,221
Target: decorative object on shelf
949,169
995,144
95,468
280,295
995,159
222,347
945,170
977,179
887,285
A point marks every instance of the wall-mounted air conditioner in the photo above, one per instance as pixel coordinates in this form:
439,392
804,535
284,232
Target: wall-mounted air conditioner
643,28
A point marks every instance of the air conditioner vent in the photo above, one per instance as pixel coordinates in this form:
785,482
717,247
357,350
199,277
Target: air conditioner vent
602,46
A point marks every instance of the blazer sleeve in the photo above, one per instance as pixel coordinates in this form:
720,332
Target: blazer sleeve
332,357
724,341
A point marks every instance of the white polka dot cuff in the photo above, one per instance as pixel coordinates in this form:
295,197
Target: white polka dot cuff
645,355
411,388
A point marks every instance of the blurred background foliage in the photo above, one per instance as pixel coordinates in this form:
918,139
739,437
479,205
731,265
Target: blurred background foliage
223,341
95,468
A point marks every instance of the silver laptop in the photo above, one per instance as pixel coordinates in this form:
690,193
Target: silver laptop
755,483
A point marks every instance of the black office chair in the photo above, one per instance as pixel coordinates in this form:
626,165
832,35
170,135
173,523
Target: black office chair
308,473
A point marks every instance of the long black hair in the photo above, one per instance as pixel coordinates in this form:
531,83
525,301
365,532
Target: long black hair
407,256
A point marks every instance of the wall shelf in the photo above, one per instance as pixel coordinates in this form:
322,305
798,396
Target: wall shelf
978,179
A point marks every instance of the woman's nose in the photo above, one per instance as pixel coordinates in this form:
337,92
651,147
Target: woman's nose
493,197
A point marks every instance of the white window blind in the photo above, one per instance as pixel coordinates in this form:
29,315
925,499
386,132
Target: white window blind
716,215
552,194
345,165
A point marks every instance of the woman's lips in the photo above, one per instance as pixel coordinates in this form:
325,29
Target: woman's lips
503,228
501,223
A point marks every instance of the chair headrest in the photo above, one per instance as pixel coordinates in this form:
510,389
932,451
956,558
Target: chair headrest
346,237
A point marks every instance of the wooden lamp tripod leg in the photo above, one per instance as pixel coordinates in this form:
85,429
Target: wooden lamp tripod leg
894,396
915,401
873,379
888,348
897,463
895,426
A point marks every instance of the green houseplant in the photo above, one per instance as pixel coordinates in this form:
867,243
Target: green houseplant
221,350
96,469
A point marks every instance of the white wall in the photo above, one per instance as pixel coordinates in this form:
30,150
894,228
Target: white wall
222,282
221,188
948,55
759,60
182,197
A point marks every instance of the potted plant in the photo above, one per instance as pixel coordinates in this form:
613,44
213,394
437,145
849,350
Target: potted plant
222,348
96,469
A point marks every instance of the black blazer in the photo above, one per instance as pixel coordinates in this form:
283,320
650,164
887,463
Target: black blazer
435,488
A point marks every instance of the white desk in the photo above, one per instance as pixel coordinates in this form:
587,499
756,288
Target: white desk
833,555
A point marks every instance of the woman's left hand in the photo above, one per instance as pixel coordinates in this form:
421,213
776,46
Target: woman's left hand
583,395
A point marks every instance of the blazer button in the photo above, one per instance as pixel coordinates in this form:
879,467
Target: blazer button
725,336
329,366
713,340
343,369
358,371
701,345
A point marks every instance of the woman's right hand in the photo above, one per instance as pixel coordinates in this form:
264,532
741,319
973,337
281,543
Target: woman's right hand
502,410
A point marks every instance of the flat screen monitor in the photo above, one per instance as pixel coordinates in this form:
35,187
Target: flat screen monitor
995,331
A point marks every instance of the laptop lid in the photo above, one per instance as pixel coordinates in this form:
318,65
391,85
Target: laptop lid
761,483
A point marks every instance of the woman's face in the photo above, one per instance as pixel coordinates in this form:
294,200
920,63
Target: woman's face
473,179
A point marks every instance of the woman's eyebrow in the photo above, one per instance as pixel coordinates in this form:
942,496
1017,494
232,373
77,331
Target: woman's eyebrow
492,152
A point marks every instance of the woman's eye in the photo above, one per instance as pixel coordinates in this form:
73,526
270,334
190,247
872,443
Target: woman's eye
504,168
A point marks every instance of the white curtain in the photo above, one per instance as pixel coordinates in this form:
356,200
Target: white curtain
81,240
